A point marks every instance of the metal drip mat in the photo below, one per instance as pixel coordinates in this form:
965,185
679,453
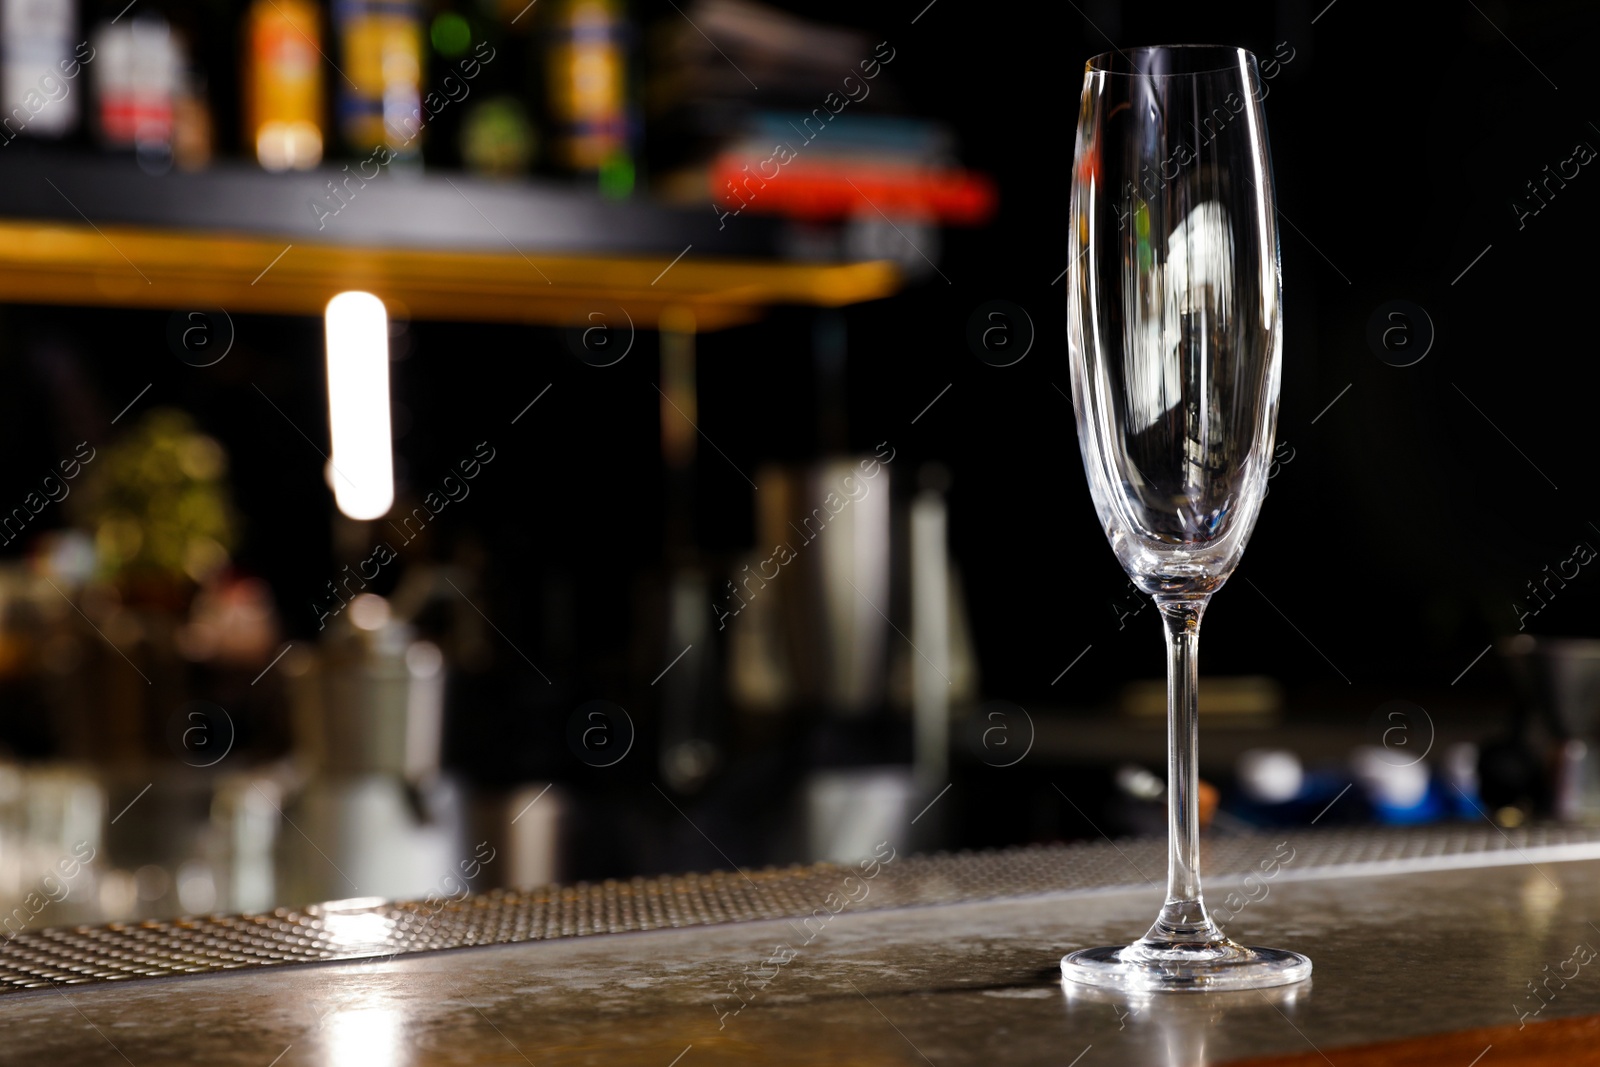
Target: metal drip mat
359,930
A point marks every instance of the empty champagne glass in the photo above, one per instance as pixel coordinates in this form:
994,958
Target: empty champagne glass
1175,329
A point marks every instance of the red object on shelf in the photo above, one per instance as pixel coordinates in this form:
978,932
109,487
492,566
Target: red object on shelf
819,190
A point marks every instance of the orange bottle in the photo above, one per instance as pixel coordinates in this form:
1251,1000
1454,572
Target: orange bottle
283,83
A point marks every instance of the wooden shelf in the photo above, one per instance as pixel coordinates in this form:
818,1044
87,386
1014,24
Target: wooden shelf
90,232
115,266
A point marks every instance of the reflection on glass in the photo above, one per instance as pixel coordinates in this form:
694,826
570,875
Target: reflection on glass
1176,1032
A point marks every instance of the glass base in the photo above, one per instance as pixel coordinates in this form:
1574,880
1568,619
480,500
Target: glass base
1147,966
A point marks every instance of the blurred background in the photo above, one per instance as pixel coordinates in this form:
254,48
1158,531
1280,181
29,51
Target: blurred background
788,550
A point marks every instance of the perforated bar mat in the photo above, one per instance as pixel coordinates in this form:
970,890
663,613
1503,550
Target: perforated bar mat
361,931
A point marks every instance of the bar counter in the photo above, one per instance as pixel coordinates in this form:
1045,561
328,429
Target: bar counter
1443,935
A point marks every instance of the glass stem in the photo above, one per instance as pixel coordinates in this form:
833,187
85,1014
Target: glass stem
1183,919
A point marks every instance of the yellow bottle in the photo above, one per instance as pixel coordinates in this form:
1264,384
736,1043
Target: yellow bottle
380,49
586,87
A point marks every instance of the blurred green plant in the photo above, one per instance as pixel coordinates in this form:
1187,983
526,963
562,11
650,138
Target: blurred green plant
497,137
157,504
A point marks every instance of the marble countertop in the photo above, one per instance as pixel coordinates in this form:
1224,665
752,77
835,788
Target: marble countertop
972,983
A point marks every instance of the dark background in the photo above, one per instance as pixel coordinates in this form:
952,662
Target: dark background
1397,539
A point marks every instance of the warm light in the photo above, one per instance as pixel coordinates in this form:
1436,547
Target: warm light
284,146
367,1028
358,405
367,930
369,611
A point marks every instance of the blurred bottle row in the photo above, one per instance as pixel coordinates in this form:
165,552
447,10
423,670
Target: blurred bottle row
489,85
561,88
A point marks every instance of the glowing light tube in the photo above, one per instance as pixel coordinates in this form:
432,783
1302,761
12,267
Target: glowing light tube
357,328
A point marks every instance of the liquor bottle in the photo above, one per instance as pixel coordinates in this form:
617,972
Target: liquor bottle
586,92
473,120
380,97
135,74
456,77
283,94
193,134
39,67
